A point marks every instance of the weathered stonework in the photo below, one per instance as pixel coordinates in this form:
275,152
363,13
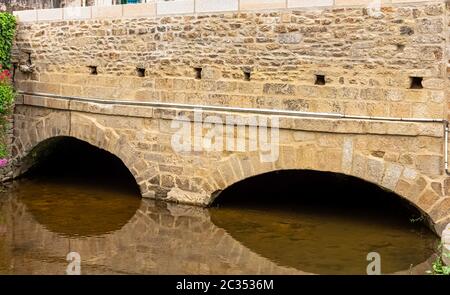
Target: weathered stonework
367,62
398,156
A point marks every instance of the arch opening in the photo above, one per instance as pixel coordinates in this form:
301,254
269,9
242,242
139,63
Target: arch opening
324,223
76,189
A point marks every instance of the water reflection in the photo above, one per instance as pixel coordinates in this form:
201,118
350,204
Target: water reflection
325,244
159,238
77,209
116,232
324,223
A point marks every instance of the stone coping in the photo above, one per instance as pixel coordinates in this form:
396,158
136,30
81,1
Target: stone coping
192,7
306,123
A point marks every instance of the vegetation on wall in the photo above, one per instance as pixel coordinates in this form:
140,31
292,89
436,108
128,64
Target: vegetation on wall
7,94
7,30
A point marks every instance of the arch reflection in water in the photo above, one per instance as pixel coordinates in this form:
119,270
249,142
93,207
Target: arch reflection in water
75,209
160,238
324,223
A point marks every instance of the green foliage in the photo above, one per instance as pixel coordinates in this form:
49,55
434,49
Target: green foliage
3,150
439,268
7,30
7,96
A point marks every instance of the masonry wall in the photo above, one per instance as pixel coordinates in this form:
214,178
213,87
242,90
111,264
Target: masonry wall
367,60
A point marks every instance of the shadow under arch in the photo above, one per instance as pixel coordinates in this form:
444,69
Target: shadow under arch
323,222
76,189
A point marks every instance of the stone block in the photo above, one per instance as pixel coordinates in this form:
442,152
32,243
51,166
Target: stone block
304,136
139,10
367,3
149,195
433,83
309,3
49,88
441,209
205,6
71,90
26,15
375,169
429,164
186,197
391,176
77,12
107,11
175,7
359,166
427,199
347,155
408,1
261,4
50,14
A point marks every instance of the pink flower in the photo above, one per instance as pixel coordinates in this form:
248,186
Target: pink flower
3,162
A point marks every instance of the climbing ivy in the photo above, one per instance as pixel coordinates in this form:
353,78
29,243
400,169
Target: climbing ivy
7,94
7,30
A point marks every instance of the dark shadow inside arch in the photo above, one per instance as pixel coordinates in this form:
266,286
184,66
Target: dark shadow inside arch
324,223
76,189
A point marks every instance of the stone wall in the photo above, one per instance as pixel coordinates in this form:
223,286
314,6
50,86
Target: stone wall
366,62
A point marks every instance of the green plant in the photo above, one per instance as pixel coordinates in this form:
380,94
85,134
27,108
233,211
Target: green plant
7,30
439,268
7,96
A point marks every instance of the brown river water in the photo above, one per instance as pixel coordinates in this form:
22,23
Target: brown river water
117,232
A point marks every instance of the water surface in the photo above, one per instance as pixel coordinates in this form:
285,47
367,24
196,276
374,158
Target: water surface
116,232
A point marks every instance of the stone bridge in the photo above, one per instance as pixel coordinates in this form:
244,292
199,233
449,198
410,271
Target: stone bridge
355,90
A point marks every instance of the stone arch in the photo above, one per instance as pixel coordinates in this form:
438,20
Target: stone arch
28,134
405,181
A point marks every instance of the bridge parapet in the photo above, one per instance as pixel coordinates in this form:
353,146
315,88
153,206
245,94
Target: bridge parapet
180,7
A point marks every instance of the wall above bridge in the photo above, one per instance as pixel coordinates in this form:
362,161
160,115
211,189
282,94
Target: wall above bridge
337,60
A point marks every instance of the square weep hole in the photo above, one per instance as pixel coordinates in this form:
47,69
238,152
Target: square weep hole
247,75
416,83
198,73
140,72
93,70
320,80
